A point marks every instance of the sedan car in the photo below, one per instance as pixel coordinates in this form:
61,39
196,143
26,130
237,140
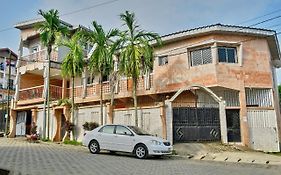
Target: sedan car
122,138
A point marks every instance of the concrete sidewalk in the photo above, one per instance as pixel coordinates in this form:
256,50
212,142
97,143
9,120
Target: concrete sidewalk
223,153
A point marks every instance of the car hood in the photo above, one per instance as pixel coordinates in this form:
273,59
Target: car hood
152,138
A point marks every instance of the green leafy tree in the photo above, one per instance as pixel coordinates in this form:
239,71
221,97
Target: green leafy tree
101,60
73,63
49,30
136,54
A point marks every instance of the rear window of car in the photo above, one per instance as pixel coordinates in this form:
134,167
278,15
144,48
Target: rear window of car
107,129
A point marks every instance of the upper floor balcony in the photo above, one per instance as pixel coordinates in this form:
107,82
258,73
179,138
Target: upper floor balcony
39,57
91,92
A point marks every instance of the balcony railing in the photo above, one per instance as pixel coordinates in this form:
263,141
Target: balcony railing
39,57
37,93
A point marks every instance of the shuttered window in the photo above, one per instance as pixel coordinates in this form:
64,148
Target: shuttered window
201,56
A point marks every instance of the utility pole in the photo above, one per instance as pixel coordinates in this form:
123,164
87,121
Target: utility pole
8,100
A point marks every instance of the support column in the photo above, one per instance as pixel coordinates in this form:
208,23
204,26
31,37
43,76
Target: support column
109,113
64,88
243,118
223,126
163,119
169,120
13,119
34,115
17,82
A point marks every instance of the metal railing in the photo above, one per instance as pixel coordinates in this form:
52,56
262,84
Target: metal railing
38,57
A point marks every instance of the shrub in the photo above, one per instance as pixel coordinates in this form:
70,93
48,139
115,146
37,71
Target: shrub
88,126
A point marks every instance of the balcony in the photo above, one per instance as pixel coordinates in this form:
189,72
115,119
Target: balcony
35,94
39,56
124,88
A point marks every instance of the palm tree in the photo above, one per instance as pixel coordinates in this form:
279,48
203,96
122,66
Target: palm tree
49,29
136,55
73,63
101,60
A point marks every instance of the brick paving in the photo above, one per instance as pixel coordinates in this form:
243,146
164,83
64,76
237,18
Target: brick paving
24,158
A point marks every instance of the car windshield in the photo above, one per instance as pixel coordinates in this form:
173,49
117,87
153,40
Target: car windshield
138,130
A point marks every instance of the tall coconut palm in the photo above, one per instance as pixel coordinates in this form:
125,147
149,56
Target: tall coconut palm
101,60
136,54
73,63
49,29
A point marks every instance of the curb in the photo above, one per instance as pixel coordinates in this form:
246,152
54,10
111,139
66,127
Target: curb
213,158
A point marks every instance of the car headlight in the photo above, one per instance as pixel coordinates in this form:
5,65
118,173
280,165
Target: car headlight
155,142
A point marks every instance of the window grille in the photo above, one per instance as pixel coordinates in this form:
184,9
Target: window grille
258,97
201,56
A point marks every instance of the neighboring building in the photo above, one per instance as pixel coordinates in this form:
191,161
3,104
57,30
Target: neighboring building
8,60
213,83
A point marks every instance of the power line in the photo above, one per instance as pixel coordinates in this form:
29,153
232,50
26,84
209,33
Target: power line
72,12
270,19
252,19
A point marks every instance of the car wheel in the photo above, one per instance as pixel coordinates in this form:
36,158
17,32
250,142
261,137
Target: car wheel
94,147
141,151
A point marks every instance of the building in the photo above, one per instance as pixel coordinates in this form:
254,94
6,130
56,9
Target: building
213,83
8,61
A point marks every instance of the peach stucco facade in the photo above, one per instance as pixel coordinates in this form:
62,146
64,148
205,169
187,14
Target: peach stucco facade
231,86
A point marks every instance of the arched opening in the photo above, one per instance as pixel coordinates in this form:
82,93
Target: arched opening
197,114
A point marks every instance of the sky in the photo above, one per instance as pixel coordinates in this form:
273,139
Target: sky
161,16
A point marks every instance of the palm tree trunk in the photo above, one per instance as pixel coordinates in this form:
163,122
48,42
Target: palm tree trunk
112,89
135,99
72,105
46,101
101,106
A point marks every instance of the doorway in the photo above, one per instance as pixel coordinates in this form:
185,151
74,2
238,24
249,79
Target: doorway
233,125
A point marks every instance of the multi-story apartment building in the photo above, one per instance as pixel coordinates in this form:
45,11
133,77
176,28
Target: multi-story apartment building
213,83
8,61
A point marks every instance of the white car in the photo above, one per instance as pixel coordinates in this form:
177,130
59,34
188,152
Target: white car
126,139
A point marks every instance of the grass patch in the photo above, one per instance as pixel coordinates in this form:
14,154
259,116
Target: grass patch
45,140
174,152
72,142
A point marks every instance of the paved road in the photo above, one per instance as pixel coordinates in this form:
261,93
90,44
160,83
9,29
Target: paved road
49,158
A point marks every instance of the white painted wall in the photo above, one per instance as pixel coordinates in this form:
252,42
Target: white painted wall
149,119
263,130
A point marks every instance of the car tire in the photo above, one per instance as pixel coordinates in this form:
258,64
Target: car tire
94,147
141,151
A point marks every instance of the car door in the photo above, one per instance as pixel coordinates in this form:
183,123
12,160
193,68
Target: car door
105,137
124,139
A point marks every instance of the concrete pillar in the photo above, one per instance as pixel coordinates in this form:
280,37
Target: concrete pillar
64,88
163,119
109,113
214,51
17,82
34,115
223,126
13,119
243,118
169,120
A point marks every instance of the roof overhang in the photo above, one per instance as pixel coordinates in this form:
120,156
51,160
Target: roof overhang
269,35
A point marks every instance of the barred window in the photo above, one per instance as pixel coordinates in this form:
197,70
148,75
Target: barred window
227,54
201,56
163,60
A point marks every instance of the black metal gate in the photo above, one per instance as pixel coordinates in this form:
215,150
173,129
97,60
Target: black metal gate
196,124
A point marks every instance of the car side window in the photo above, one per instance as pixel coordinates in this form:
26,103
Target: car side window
121,130
107,129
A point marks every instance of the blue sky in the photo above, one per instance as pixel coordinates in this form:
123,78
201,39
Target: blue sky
162,16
